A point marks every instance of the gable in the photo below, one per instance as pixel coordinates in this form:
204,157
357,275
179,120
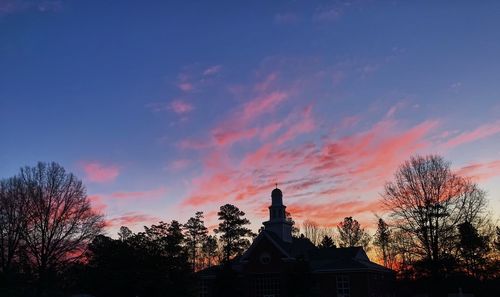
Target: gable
264,256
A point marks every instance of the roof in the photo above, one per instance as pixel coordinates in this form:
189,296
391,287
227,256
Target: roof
320,260
343,259
297,248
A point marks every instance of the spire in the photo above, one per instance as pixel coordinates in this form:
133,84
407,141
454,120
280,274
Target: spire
278,223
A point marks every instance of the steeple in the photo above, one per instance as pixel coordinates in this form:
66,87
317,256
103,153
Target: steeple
278,224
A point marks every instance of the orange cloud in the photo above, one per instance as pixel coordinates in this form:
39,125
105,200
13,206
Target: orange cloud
331,213
99,173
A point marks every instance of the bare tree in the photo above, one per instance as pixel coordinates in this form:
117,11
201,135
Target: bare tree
428,201
209,250
312,231
12,221
60,219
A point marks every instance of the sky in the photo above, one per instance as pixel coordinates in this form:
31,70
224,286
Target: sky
164,108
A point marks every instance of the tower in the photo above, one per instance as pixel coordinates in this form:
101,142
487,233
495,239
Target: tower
278,224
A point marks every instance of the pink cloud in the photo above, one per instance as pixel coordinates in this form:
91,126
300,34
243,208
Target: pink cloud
99,173
226,136
97,203
479,133
139,195
331,213
262,104
131,219
180,107
480,171
354,165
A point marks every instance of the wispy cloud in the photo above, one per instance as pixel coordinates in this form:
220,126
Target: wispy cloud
100,173
139,195
180,107
479,133
481,171
131,219
212,70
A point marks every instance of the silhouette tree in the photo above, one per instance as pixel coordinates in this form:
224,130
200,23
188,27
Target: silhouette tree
13,221
351,234
382,240
209,249
233,233
60,219
124,233
295,230
473,248
327,242
497,239
196,232
311,231
428,201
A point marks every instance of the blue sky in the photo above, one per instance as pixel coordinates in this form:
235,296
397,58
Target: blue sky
164,108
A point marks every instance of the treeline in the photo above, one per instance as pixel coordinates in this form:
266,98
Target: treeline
437,227
52,243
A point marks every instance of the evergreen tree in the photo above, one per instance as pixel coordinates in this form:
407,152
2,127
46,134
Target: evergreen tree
382,239
233,233
196,232
473,248
351,234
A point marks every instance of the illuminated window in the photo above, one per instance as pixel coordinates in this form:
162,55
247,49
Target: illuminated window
343,286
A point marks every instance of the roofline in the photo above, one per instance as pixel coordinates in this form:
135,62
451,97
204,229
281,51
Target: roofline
259,238
352,270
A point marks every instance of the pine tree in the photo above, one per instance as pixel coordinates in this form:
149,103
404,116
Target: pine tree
382,239
473,248
196,232
233,233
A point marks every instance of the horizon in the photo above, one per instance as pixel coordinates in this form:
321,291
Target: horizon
165,110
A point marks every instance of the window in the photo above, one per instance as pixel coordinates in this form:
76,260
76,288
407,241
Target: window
265,258
203,288
343,286
267,285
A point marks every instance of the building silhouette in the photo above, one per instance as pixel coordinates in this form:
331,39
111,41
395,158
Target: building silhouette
280,265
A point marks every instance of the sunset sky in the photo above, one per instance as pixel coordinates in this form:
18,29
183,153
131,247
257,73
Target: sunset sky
164,108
